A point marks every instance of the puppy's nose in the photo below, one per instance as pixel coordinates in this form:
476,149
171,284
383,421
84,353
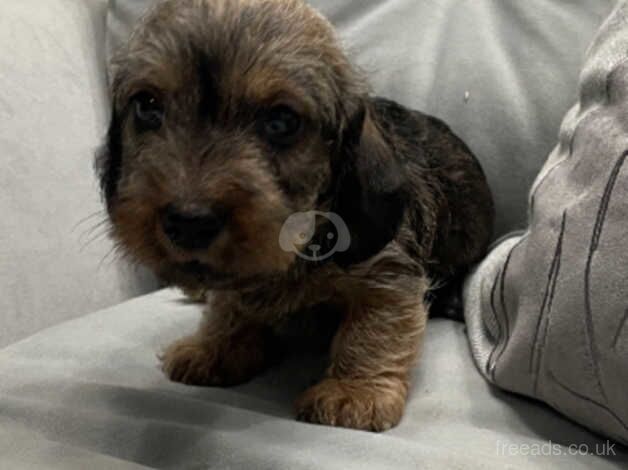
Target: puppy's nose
192,229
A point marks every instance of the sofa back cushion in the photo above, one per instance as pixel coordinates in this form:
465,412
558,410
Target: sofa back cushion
53,112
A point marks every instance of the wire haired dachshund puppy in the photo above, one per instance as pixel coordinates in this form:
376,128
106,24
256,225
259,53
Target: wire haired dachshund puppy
247,157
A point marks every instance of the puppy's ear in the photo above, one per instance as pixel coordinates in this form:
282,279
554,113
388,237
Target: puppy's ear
109,159
370,184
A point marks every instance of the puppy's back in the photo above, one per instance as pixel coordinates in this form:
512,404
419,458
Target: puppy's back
451,206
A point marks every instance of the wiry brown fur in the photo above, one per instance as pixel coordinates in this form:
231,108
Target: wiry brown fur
415,200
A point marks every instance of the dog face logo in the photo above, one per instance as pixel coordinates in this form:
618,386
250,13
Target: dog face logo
299,235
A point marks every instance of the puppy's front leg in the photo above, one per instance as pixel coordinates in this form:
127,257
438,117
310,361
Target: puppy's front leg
366,384
228,349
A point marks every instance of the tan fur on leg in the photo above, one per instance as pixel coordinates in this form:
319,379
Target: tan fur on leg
367,381
222,352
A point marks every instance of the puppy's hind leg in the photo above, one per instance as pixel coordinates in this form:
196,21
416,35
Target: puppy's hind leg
366,384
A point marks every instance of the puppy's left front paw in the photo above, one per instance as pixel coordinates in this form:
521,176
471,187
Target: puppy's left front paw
369,405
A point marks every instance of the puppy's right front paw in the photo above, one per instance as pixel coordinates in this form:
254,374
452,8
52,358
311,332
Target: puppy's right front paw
226,361
190,361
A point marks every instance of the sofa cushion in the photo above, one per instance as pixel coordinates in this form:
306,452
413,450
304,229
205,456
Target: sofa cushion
548,311
71,399
53,109
501,73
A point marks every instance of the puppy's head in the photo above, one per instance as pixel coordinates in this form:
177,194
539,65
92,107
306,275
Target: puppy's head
228,116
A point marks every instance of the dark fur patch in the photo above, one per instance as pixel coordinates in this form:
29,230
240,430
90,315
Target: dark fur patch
207,71
109,160
370,195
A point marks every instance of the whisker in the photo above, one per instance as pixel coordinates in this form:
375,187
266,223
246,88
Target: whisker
87,218
98,235
112,251
91,230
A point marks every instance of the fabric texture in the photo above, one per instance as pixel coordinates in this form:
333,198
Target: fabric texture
500,73
89,394
53,111
547,311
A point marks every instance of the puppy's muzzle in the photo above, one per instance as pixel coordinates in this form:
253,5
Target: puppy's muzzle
192,229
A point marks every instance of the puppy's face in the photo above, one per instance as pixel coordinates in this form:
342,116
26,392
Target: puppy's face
227,118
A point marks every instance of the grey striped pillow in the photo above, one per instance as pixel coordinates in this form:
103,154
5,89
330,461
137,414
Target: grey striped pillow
547,311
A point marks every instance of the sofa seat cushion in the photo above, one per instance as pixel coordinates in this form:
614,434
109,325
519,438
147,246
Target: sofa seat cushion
90,390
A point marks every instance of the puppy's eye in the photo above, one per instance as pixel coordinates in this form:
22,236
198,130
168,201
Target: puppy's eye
149,112
281,126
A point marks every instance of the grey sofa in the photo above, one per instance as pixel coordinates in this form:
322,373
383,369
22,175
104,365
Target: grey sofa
80,386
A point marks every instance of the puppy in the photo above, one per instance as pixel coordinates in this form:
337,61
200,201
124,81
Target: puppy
246,156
